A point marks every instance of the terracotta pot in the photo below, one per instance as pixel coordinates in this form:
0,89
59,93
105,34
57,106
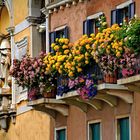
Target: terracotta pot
111,79
107,78
48,95
51,94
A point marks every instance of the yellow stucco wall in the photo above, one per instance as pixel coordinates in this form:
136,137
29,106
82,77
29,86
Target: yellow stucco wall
4,20
20,10
21,35
32,125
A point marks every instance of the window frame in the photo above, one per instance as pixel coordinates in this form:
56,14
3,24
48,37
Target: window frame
116,124
123,5
53,33
60,128
86,28
94,122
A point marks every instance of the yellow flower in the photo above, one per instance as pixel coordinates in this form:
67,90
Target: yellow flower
66,41
86,54
56,48
82,42
77,52
60,71
86,62
66,51
87,46
52,45
70,74
79,69
92,35
120,48
118,54
64,46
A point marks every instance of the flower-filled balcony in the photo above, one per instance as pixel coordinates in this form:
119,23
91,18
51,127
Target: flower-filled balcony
82,73
130,63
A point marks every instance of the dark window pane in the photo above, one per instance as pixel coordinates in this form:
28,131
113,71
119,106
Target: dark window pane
95,131
123,127
61,134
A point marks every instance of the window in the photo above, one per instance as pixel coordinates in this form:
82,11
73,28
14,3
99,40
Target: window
125,11
62,33
123,129
92,24
61,134
94,131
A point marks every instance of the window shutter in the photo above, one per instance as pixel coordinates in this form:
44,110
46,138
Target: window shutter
66,32
113,17
52,36
131,10
85,27
119,16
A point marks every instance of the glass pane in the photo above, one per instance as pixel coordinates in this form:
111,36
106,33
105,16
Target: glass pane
124,128
61,134
95,131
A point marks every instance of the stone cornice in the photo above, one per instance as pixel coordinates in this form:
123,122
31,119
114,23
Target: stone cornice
33,20
61,4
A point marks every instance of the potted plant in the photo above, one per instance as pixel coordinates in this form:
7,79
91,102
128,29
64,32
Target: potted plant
31,73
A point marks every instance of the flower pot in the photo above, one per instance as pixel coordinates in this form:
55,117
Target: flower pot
50,94
111,79
107,78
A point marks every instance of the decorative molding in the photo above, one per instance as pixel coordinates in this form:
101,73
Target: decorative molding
122,94
96,104
20,48
129,80
124,4
50,106
57,4
60,28
62,109
95,15
111,86
23,109
111,100
33,20
81,105
22,26
21,95
45,11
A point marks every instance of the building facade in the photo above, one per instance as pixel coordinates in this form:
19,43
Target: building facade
31,26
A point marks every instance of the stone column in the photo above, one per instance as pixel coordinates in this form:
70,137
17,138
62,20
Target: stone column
46,13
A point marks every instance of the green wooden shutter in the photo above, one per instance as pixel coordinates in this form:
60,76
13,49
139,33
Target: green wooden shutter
61,134
124,128
95,131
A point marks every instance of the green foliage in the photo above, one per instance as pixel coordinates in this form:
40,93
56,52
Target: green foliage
133,35
103,23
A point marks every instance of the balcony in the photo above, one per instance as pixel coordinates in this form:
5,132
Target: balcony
132,82
106,92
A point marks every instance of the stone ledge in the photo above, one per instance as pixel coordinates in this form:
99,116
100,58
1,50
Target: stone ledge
45,101
129,80
100,87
